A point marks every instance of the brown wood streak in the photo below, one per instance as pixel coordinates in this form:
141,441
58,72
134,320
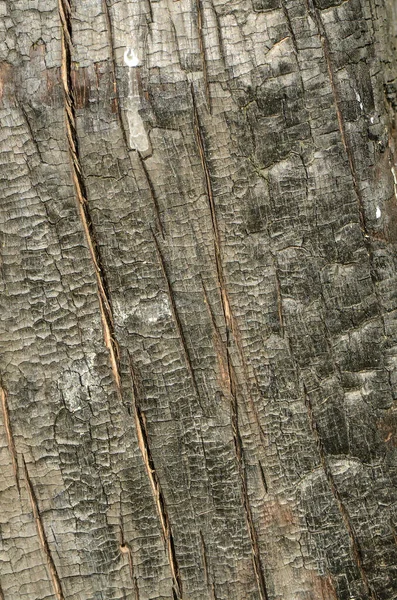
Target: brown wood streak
85,217
10,436
42,536
144,446
202,52
355,544
260,578
176,316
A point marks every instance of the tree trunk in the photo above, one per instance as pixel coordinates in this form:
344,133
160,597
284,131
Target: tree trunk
198,308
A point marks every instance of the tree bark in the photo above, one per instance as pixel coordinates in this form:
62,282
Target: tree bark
198,306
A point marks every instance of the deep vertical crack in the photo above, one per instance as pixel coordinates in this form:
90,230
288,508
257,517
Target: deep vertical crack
56,582
10,436
144,445
81,192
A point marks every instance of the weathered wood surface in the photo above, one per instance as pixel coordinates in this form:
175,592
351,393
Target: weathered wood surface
198,300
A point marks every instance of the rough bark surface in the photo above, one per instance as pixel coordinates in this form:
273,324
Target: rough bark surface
198,303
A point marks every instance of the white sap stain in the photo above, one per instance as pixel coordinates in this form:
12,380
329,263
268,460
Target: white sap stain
138,137
393,171
130,58
372,119
358,98
159,310
149,311
378,212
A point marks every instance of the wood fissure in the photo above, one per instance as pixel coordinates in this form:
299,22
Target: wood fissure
159,224
109,26
239,451
10,437
316,15
230,322
217,240
56,582
144,446
279,301
355,544
29,127
199,9
81,193
175,315
125,548
289,26
208,579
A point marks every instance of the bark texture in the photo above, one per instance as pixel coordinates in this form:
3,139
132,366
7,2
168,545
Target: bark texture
198,303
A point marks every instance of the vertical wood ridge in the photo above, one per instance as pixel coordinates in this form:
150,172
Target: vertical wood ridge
355,544
175,314
10,437
230,322
125,548
81,193
208,579
109,25
315,14
144,446
199,8
56,582
159,224
239,450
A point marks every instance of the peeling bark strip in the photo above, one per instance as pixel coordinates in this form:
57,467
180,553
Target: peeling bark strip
70,114
56,583
176,316
355,544
10,437
144,446
260,577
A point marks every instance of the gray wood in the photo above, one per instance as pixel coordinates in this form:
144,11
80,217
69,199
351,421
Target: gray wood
198,300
